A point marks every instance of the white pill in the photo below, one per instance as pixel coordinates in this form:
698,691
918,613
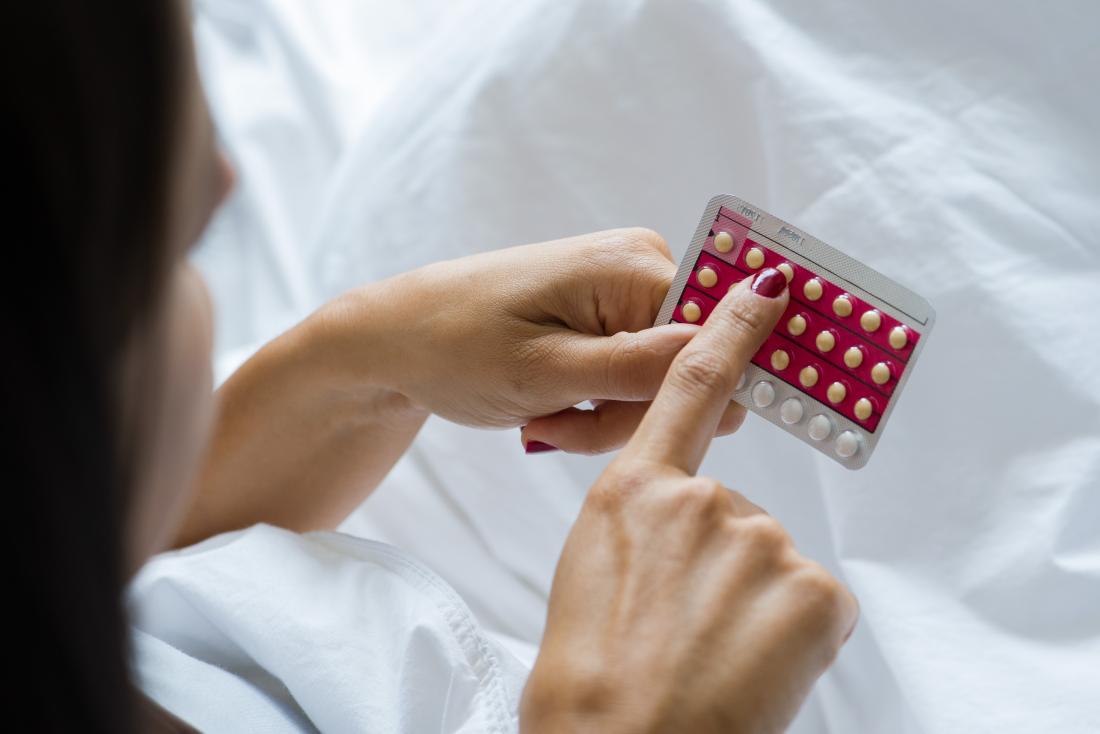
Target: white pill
707,277
863,409
842,306
819,427
780,360
853,357
791,411
797,325
836,393
754,258
847,444
880,373
763,394
786,269
870,320
825,341
723,242
899,337
808,376
812,290
691,311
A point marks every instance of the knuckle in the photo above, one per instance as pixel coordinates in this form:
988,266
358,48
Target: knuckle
615,487
820,591
704,495
741,317
701,371
645,239
627,365
763,534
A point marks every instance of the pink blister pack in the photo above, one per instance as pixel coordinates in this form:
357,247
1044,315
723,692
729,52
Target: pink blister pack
834,367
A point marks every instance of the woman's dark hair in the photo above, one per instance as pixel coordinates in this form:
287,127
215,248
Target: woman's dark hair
93,93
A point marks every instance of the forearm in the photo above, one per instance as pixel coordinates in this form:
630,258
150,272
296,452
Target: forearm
301,438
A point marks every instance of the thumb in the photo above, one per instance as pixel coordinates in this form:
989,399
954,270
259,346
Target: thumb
623,366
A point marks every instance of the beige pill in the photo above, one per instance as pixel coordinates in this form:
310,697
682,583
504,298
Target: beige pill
723,242
880,373
780,360
870,320
853,357
899,337
707,277
825,341
812,290
808,376
754,258
691,311
836,392
842,306
786,269
863,409
797,325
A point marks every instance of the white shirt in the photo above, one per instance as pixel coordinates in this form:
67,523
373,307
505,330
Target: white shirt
268,630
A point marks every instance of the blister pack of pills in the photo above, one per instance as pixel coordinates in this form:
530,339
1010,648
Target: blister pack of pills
835,365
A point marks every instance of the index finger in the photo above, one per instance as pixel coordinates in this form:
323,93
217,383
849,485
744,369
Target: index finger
678,428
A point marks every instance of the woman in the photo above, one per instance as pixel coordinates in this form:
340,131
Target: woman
121,451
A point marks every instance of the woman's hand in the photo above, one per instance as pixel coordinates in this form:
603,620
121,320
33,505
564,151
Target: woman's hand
679,606
502,338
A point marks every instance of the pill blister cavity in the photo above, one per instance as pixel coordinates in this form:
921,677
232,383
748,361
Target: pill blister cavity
780,360
819,427
796,326
880,373
836,393
808,376
707,277
853,357
763,394
870,320
754,258
790,412
813,289
842,306
863,409
825,341
691,311
899,337
847,444
723,242
787,270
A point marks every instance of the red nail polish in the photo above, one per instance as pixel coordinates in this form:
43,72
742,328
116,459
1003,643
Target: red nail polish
537,447
769,283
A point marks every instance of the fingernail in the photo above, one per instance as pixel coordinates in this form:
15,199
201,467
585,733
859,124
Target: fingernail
769,283
537,447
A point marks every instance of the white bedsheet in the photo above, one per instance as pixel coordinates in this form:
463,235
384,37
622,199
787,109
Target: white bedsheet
952,146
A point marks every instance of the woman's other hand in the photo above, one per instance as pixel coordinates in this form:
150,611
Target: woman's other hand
516,337
679,606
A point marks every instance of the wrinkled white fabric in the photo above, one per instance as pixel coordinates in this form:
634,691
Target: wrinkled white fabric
951,146
267,630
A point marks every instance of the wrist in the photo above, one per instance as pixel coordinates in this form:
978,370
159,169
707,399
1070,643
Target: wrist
354,348
563,704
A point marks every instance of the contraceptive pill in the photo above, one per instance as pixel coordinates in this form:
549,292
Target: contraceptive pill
790,412
763,394
707,277
832,371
